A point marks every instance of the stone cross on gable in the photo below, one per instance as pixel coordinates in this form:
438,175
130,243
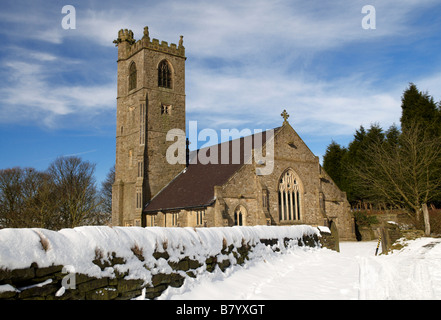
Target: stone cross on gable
285,116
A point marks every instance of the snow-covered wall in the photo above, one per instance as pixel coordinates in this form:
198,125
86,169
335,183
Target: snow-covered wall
133,253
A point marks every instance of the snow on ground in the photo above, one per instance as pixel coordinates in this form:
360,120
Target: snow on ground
413,272
314,274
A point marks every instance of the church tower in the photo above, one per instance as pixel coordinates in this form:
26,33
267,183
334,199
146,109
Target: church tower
150,102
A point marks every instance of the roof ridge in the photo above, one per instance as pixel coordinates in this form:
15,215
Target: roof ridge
275,129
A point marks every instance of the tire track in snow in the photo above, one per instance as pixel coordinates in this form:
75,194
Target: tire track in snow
401,276
355,273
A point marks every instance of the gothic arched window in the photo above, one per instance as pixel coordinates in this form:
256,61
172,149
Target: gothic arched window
132,76
289,197
239,216
164,75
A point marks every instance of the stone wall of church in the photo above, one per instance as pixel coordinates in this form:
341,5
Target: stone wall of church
246,189
337,208
241,190
158,170
292,153
141,166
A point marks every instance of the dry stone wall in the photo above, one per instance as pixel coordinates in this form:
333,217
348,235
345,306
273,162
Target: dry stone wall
48,266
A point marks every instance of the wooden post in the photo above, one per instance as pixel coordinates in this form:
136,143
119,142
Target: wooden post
426,219
378,245
334,233
385,240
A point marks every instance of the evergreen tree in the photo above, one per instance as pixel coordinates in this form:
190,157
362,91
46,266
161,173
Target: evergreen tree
333,163
400,168
402,174
420,108
357,156
392,135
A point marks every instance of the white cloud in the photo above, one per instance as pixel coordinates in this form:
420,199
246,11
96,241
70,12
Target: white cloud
256,44
30,96
317,107
51,35
431,84
219,27
42,56
231,29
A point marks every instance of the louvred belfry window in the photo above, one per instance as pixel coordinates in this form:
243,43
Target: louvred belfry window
132,76
164,75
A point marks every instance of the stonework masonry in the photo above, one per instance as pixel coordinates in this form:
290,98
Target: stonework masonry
160,268
147,110
145,114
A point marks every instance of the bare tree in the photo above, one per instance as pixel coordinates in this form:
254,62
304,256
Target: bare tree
26,198
11,200
405,173
105,215
75,184
43,205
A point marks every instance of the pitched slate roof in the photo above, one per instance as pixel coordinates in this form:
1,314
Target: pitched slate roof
194,186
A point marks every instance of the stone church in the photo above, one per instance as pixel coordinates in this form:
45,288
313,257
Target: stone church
151,191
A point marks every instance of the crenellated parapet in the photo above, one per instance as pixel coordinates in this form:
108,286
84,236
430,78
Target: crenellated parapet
124,35
128,46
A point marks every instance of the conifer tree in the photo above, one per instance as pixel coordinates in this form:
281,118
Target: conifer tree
333,163
357,156
403,174
400,168
419,107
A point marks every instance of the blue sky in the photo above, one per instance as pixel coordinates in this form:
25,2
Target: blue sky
246,61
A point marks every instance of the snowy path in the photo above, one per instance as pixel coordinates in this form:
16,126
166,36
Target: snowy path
412,273
309,273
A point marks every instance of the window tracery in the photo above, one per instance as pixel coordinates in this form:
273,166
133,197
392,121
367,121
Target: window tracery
164,75
239,216
289,197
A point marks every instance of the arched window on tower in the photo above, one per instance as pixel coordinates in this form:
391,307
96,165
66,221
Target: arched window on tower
132,76
164,75
289,197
